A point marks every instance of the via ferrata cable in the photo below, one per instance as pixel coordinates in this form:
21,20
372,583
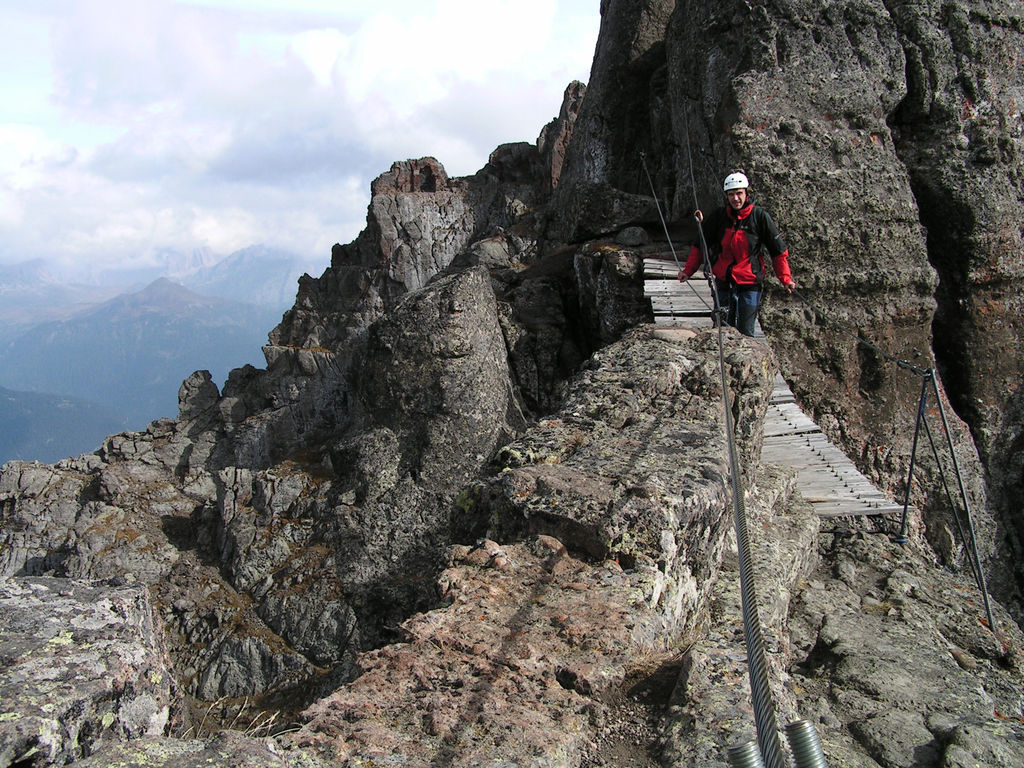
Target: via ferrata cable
765,719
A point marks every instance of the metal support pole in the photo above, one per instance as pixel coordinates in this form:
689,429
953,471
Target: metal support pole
913,452
967,512
949,497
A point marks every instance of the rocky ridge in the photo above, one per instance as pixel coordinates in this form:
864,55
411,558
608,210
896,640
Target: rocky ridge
474,510
884,137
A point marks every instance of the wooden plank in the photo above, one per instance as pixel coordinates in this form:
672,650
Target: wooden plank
825,476
773,432
667,266
792,420
783,421
793,446
851,503
790,431
864,503
689,302
829,513
674,286
671,321
688,297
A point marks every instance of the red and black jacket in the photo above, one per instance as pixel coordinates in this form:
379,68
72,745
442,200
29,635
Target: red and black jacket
732,237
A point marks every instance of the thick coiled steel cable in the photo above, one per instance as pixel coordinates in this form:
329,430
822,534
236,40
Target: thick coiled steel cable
757,665
765,719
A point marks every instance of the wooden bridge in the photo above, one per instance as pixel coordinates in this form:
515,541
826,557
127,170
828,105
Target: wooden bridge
826,477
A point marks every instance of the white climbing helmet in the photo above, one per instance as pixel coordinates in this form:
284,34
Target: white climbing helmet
735,181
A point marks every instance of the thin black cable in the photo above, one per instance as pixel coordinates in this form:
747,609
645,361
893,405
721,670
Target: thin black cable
860,339
689,159
657,205
979,579
922,421
913,455
705,251
664,225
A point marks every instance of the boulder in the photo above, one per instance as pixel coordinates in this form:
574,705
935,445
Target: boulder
84,666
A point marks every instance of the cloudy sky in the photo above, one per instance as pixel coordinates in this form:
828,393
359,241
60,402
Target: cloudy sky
132,126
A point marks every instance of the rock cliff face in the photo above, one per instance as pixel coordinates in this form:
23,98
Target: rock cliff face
476,510
885,138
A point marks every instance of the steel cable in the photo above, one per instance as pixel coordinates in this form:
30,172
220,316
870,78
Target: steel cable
757,666
765,720
664,226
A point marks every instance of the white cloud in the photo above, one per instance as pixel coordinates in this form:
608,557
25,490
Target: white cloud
228,122
319,49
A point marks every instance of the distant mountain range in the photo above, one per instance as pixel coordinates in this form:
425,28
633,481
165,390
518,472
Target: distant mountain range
30,293
256,275
98,355
131,353
48,428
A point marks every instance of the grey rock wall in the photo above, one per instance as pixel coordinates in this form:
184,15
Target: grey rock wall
884,139
960,132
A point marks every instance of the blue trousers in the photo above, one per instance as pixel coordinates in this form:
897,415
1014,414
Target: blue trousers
741,305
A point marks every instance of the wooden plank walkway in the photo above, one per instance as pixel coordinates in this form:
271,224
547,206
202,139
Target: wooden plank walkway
825,476
671,299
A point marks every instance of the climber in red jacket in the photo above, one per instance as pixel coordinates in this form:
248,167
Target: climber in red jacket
737,236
